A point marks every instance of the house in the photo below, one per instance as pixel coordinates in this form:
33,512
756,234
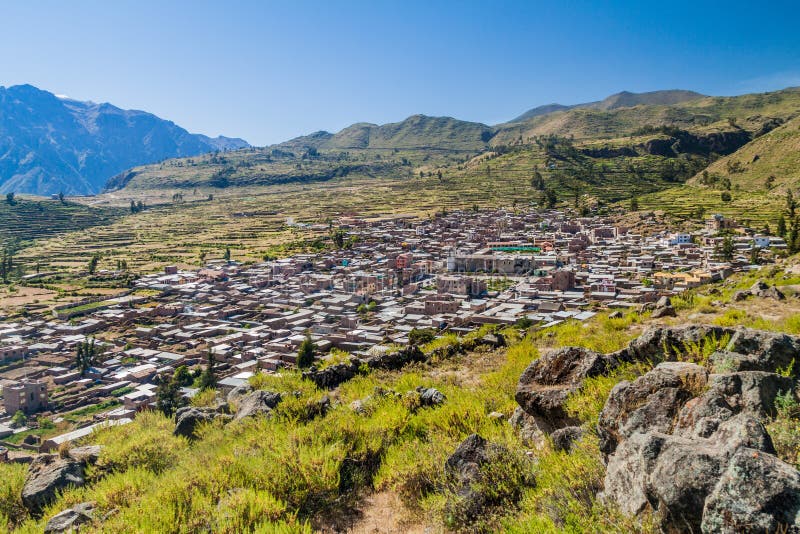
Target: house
28,397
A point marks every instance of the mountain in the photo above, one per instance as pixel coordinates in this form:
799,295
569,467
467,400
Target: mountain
51,144
624,99
769,163
418,132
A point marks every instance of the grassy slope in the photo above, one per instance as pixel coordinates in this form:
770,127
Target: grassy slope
32,217
291,473
775,154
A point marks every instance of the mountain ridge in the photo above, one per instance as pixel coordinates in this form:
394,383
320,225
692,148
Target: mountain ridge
51,144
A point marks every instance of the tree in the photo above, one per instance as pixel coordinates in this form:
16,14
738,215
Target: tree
634,204
93,263
10,199
168,397
725,196
182,376
420,336
769,183
227,255
86,355
61,196
18,419
754,255
727,248
548,199
305,354
208,379
781,226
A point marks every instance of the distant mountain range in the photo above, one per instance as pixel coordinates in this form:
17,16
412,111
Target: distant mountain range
51,144
625,99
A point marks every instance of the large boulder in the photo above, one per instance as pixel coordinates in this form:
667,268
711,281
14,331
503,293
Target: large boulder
71,519
757,493
189,418
760,350
258,402
547,383
238,392
49,474
650,403
670,437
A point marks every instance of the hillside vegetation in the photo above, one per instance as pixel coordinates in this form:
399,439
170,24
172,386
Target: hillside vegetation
302,468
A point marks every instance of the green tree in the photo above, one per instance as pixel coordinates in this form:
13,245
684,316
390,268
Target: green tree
18,419
305,354
420,336
754,255
634,204
548,199
781,226
727,248
208,379
725,196
227,255
182,376
10,199
92,267
168,397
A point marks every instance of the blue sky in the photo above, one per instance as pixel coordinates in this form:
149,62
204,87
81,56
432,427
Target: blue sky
270,71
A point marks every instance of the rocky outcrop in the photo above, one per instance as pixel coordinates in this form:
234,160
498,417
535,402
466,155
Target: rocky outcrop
526,427
71,519
756,493
189,418
673,439
49,474
673,442
663,308
547,383
258,402
759,289
334,375
238,392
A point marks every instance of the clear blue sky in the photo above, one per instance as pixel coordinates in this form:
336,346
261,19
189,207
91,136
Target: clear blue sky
270,71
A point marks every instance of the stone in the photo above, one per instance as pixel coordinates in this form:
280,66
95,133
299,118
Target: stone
238,392
496,416
759,350
545,385
650,403
666,311
663,302
757,493
615,315
334,375
71,519
565,438
189,418
526,427
258,402
87,453
763,290
430,397
49,474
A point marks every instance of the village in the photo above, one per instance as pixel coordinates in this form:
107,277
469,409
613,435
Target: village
380,281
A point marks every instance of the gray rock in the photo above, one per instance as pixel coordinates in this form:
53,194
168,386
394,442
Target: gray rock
71,519
526,427
757,493
665,311
545,385
47,475
565,438
238,392
759,350
430,397
763,290
189,418
258,402
87,453
650,403
663,302
615,315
